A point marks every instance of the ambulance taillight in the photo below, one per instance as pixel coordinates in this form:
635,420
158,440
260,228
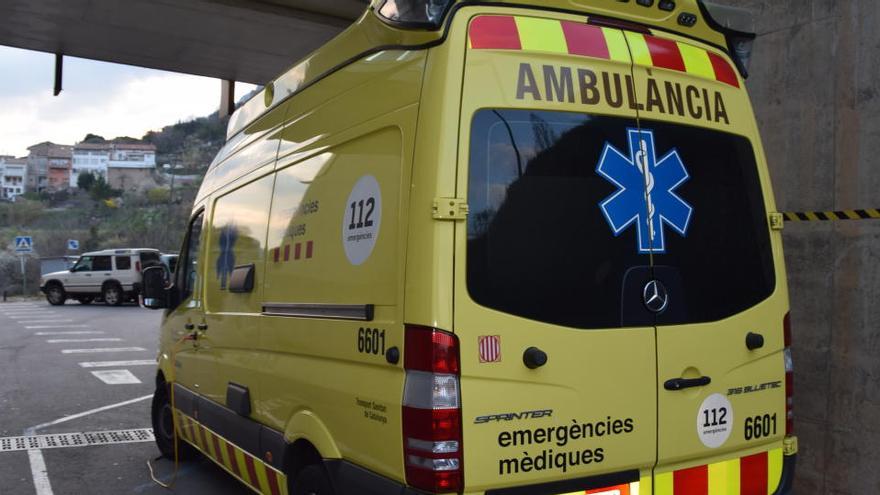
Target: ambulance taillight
789,376
432,435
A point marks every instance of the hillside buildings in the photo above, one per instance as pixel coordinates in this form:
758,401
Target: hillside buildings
90,158
132,167
124,166
13,176
51,167
48,167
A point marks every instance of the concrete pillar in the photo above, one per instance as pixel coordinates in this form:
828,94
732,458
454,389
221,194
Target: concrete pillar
815,87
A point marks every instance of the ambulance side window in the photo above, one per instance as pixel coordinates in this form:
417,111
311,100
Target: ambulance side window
187,276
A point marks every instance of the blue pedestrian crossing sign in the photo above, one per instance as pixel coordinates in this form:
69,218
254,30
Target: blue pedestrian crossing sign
73,244
24,244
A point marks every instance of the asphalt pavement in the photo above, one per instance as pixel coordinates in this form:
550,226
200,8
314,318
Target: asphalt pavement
76,382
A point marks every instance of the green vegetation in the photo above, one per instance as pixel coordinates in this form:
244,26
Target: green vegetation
101,217
150,220
100,189
85,180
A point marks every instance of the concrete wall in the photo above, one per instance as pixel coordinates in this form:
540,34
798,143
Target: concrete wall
815,86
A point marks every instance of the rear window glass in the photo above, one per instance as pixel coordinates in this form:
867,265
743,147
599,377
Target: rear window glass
149,259
101,263
123,263
541,245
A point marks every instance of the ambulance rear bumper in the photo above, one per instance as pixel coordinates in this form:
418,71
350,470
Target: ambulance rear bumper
349,478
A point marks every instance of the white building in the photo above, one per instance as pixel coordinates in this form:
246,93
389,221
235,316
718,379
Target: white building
90,158
13,176
123,166
132,167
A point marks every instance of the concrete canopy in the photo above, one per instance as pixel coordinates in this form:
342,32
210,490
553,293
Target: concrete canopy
240,40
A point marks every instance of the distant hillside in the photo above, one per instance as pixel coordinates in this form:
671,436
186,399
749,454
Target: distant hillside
192,144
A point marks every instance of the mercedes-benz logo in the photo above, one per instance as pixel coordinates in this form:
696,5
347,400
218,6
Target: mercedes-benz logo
655,296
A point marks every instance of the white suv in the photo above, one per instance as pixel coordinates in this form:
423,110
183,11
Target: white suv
113,275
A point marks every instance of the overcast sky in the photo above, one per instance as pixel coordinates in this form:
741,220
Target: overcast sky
98,97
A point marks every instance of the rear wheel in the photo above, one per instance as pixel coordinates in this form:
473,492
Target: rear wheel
55,295
163,427
112,295
312,480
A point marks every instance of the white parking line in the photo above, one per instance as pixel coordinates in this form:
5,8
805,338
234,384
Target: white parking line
113,364
30,322
39,473
38,464
29,314
116,377
66,341
106,349
30,431
37,327
77,332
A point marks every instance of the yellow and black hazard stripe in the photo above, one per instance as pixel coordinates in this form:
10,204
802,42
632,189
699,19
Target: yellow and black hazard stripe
252,471
826,216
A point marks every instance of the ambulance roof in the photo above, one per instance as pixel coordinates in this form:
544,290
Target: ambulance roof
371,33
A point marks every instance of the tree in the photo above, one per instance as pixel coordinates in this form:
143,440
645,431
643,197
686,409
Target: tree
101,189
94,138
85,181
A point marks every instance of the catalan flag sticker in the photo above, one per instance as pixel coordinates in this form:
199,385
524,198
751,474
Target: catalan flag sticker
490,348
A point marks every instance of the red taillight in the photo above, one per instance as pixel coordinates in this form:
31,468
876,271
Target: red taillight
789,376
137,266
430,350
432,444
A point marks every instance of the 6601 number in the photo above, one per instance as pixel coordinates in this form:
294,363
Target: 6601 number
760,426
371,341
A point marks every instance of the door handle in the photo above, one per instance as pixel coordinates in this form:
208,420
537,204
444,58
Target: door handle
203,326
189,326
683,383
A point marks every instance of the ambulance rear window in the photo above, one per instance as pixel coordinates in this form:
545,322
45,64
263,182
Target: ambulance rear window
545,242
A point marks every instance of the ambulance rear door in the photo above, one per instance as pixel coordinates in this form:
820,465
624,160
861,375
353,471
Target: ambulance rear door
717,288
558,369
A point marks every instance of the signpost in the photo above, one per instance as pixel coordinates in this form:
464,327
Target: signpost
73,245
24,245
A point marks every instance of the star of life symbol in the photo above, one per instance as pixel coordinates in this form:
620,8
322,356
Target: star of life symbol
646,194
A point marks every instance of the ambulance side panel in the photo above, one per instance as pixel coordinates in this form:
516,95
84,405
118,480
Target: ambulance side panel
332,302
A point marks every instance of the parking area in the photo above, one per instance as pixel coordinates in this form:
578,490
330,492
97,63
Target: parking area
75,403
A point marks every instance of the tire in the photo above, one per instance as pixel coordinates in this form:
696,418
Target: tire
112,294
56,295
86,300
312,480
163,427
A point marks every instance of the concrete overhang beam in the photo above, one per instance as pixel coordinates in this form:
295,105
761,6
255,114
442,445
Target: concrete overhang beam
236,40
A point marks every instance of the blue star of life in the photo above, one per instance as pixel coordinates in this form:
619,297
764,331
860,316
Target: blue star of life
646,191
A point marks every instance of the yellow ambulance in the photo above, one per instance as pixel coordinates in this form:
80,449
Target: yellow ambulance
507,248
